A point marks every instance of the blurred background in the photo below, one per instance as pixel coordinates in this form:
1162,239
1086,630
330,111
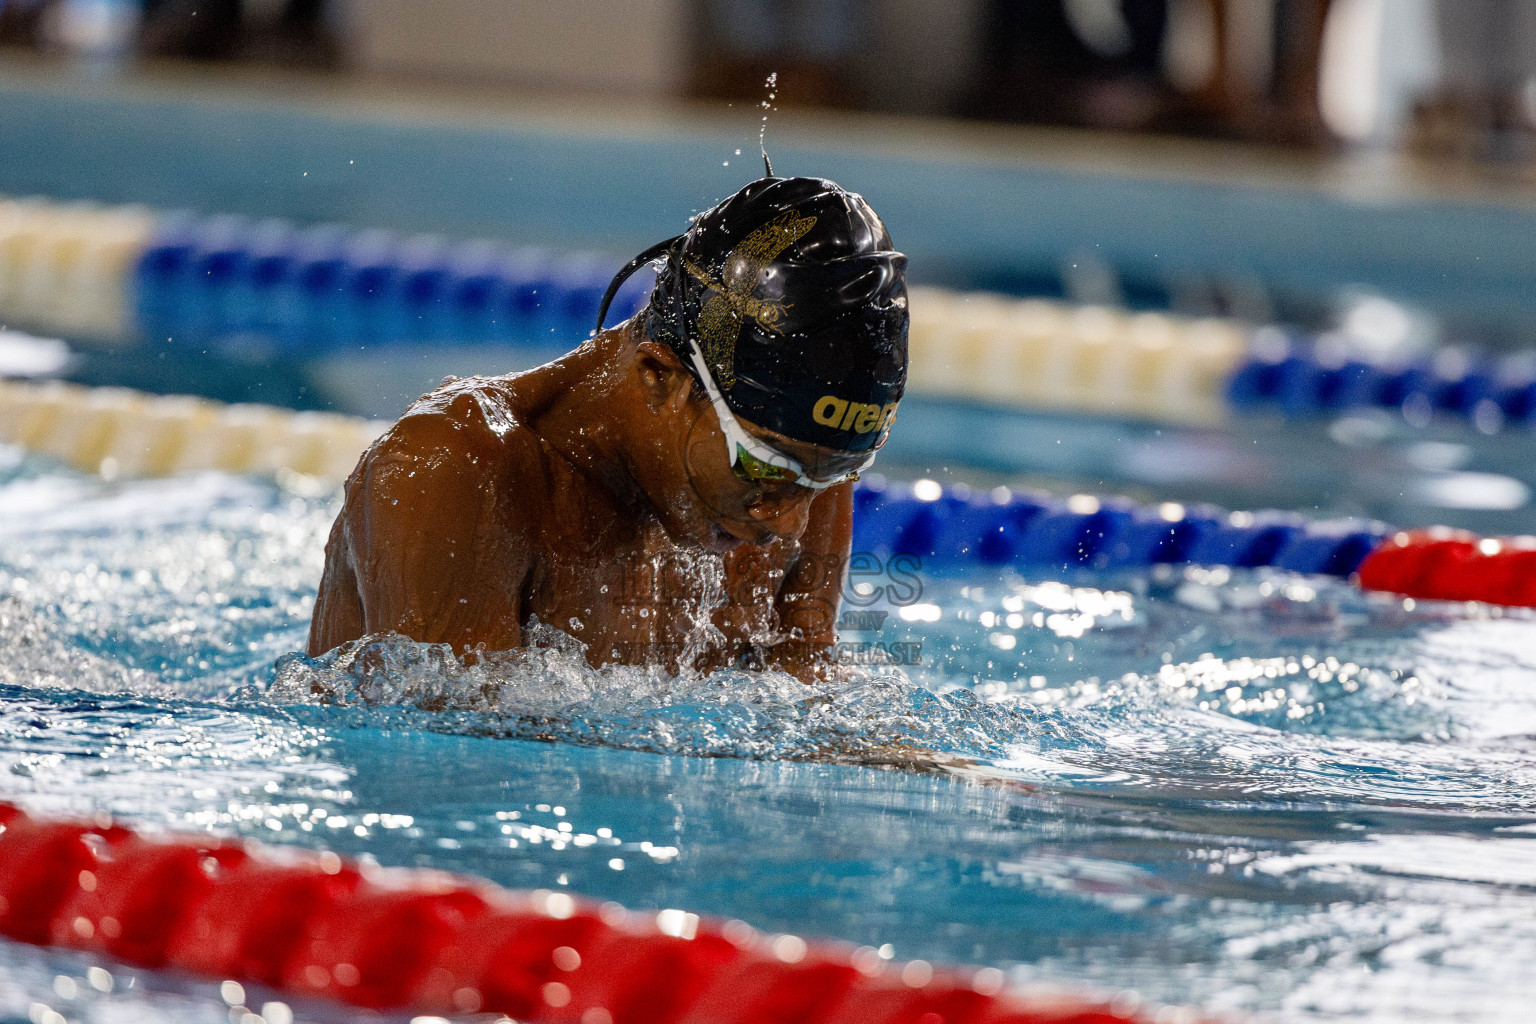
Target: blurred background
1253,251
1427,76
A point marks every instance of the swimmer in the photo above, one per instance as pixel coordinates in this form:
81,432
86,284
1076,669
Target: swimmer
676,491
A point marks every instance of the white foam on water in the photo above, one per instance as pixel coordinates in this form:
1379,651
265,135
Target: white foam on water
549,691
35,654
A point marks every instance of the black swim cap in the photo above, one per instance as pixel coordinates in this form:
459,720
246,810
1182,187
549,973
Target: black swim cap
797,300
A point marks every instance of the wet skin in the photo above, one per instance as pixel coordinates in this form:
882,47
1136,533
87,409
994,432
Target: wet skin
593,492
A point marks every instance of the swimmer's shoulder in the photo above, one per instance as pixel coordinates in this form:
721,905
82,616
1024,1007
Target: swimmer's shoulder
468,425
431,512
472,412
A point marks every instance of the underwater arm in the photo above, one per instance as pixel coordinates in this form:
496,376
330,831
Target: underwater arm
812,591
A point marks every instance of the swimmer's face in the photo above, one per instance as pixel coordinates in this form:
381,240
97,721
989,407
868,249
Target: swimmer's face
687,470
754,511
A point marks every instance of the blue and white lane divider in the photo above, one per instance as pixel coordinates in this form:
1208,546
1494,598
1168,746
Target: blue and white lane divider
1302,377
258,290
270,289
958,526
116,432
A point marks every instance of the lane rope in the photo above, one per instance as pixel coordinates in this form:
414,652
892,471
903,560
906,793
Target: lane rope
120,433
117,432
1454,565
1300,377
316,926
1044,354
959,525
268,289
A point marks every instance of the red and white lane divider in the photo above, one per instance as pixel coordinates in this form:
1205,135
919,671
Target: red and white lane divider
426,942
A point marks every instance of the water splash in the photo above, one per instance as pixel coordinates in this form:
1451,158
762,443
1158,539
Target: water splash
767,107
196,582
1270,687
1315,803
549,692
35,654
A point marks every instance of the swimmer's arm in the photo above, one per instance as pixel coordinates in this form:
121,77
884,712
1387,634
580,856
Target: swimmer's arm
337,617
434,555
812,591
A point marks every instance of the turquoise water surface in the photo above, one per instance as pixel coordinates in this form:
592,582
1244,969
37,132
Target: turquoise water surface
1245,790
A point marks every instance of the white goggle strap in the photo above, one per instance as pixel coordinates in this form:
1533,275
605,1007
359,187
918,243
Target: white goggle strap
735,435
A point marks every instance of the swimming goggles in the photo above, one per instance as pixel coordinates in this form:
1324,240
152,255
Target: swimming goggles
752,460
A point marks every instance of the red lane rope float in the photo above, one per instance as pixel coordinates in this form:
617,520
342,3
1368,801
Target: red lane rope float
1454,565
432,943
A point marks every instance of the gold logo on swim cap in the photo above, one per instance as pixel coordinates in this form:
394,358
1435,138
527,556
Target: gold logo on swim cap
860,417
719,323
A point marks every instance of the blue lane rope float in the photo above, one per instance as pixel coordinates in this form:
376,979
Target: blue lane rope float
1305,377
957,526
268,289
240,285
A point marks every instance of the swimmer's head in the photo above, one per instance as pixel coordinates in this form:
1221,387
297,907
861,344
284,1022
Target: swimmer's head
792,296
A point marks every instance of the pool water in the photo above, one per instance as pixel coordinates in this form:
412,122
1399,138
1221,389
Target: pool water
1242,789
